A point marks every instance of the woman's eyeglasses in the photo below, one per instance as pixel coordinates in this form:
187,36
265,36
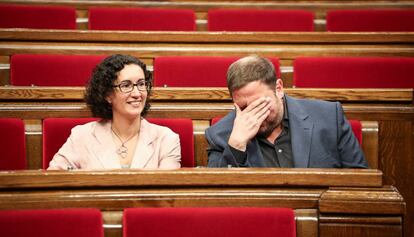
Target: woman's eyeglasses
128,86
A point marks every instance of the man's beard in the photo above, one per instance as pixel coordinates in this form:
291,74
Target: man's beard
268,126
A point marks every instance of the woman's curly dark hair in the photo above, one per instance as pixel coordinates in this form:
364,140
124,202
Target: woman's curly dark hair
100,86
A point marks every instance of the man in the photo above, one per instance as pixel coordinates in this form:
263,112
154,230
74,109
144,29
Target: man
270,129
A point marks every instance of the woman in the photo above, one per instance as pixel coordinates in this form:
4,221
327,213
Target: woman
118,93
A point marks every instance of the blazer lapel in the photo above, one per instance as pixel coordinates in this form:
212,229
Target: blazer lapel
301,128
144,150
105,150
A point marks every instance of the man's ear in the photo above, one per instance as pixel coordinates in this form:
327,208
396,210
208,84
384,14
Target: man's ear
279,88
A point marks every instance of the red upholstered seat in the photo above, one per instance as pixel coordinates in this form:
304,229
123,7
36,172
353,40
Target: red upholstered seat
51,223
37,17
370,20
111,18
195,71
353,72
55,133
52,70
259,20
207,222
184,128
355,124
12,144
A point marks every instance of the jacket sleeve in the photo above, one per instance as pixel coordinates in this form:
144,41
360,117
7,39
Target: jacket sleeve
65,158
170,156
348,146
219,152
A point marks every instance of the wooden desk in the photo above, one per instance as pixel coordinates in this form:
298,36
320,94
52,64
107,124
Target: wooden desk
329,201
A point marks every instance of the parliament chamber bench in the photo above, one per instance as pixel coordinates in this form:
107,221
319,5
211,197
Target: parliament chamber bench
148,45
327,202
318,8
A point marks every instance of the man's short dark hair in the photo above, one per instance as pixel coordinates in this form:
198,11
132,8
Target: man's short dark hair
249,69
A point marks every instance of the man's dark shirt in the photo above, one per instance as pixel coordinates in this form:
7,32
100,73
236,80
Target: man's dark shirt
278,154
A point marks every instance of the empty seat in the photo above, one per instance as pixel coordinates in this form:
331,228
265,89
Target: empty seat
12,144
259,20
55,133
353,72
370,20
111,18
206,222
184,128
37,17
195,71
52,70
51,223
355,124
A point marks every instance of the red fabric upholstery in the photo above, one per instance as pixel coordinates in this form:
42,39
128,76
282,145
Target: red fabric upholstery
355,124
12,144
195,71
207,222
259,20
184,128
55,133
37,17
52,70
353,72
370,20
51,223
111,18
357,129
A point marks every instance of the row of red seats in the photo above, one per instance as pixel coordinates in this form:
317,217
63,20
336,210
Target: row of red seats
111,18
57,130
204,71
152,222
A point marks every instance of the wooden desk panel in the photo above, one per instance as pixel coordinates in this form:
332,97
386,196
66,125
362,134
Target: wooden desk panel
308,191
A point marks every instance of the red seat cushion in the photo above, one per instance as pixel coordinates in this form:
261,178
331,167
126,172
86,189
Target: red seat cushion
37,17
259,20
51,223
12,144
184,128
195,71
370,20
52,70
111,18
353,72
207,222
55,133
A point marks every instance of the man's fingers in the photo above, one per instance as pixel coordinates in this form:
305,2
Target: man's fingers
256,103
238,110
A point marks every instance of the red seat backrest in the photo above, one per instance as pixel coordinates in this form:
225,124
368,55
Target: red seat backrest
12,144
37,17
140,19
207,222
55,133
77,222
52,70
259,20
195,71
184,128
370,20
355,124
353,72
